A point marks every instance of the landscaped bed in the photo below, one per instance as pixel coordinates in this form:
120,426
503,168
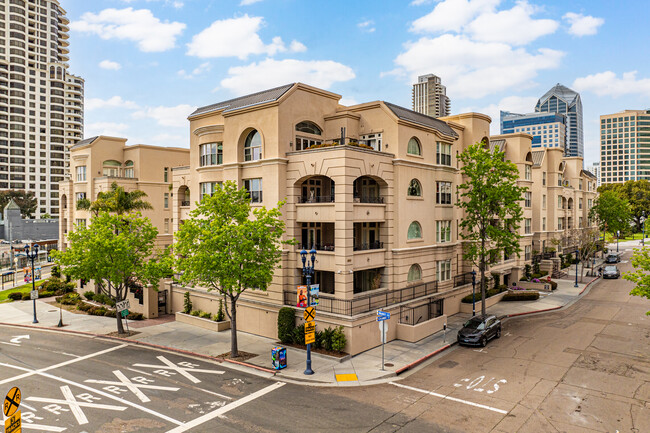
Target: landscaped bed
101,305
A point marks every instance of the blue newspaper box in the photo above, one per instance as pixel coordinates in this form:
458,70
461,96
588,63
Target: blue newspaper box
279,358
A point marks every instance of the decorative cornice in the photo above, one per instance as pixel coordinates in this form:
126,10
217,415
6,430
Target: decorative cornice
209,129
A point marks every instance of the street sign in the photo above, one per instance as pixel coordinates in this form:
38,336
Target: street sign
124,313
12,401
310,332
123,305
310,338
382,315
33,294
314,291
309,314
383,330
13,423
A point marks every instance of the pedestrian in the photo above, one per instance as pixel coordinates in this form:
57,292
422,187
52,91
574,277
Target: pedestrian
600,271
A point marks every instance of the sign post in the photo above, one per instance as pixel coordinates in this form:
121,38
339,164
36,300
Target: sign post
382,316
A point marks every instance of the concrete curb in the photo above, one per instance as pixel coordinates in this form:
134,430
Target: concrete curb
424,358
142,343
588,284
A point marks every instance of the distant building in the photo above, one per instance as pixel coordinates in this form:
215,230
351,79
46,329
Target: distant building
430,96
561,99
15,227
595,170
547,129
623,142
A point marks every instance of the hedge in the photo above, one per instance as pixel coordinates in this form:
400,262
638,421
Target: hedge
477,297
16,296
286,323
524,295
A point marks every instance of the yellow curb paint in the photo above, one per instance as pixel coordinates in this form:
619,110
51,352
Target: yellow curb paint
346,377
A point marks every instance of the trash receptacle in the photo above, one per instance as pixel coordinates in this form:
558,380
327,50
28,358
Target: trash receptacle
279,358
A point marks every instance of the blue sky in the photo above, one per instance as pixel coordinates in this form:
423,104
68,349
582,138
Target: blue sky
149,63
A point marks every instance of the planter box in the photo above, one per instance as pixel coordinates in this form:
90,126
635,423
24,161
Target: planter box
467,308
203,323
540,287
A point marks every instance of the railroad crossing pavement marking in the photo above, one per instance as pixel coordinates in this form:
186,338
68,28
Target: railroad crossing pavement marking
74,405
124,381
446,397
182,368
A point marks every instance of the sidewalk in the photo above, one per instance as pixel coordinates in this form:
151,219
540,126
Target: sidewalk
362,369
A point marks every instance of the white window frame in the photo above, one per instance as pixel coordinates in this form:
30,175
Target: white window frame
443,231
254,188
443,270
443,153
81,173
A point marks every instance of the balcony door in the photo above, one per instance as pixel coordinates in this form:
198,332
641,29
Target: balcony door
311,235
312,190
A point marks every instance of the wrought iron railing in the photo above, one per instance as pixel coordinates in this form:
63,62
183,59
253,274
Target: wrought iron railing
316,199
462,279
185,203
421,313
369,246
365,303
317,247
368,199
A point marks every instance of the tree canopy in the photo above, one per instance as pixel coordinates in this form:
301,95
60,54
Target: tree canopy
611,211
26,201
116,200
491,199
637,194
641,274
226,247
117,252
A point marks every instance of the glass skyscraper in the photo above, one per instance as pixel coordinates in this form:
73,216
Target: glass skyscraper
561,99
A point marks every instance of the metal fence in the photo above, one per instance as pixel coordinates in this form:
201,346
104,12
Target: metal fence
421,313
462,279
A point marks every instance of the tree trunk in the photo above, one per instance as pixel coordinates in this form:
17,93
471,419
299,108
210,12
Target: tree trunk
234,352
482,269
120,328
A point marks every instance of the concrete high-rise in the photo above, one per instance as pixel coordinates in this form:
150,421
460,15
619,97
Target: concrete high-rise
547,129
561,99
430,96
625,146
41,104
595,170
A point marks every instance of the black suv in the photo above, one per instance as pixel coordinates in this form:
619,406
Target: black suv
479,329
612,258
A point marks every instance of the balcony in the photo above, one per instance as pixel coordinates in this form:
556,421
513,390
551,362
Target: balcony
325,259
369,258
376,245
316,199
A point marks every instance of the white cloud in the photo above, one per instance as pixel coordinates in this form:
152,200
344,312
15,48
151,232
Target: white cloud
202,68
248,2
452,15
175,3
167,116
515,104
297,47
109,64
421,2
348,101
609,84
105,128
367,26
113,102
513,26
582,25
474,69
236,37
271,72
141,26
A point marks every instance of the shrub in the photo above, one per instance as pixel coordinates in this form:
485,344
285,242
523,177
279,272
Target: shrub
103,298
97,311
219,317
46,294
135,316
298,335
56,271
553,285
497,280
16,296
527,295
325,338
468,299
69,299
195,313
205,315
82,306
109,313
338,339
26,297
187,303
502,288
536,269
286,324
527,273
89,295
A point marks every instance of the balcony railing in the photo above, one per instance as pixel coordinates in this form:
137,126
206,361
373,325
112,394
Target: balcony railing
185,203
422,313
462,279
317,247
368,199
369,246
365,303
316,199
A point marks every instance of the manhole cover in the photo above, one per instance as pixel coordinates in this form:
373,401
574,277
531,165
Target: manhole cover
448,364
388,364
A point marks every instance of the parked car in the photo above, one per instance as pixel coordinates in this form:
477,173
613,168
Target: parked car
612,258
479,330
611,272
5,242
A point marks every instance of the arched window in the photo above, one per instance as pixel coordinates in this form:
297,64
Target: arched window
415,189
415,231
128,169
253,146
415,273
111,168
414,147
308,128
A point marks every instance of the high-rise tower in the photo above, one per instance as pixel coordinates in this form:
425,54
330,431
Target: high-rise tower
561,99
430,97
41,104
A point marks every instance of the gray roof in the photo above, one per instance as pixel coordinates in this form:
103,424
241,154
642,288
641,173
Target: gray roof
85,141
246,100
499,144
590,174
538,157
12,205
421,119
562,92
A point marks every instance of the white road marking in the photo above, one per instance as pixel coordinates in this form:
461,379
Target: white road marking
216,393
42,428
23,404
133,387
17,338
9,344
52,367
446,397
168,365
219,412
139,371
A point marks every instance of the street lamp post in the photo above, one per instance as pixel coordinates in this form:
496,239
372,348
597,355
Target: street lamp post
32,255
618,235
308,271
643,222
577,262
473,293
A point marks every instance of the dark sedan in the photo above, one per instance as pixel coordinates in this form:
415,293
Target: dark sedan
611,272
612,258
478,330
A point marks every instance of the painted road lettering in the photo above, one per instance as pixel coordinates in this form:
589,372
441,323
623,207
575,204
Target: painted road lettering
129,385
169,368
474,383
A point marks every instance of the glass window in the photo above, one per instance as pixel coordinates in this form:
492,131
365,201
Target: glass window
415,231
528,199
166,226
415,273
527,226
443,153
211,154
544,224
372,140
544,178
111,168
415,189
80,222
208,188
544,201
414,147
129,171
305,143
443,268
308,128
166,174
527,172
443,192
81,173
527,252
166,200
443,231
254,188
253,146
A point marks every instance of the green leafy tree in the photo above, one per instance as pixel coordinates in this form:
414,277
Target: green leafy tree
26,201
637,193
611,211
491,200
117,252
641,274
116,200
226,247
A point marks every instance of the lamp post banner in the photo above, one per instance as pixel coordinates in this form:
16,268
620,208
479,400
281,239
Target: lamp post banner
302,297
